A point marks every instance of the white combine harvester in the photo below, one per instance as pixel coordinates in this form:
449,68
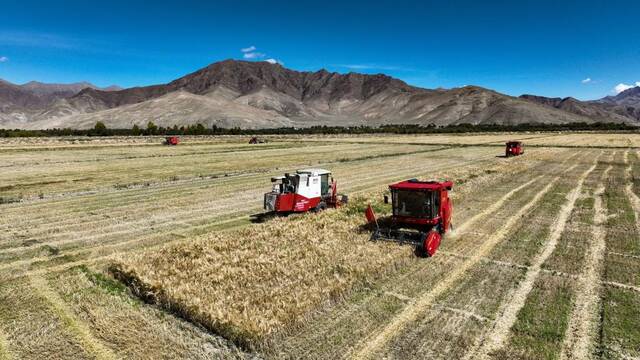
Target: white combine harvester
305,190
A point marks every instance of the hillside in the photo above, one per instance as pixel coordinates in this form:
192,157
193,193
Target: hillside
22,104
590,109
626,103
260,94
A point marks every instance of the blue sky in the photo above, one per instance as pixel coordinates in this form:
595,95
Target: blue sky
553,48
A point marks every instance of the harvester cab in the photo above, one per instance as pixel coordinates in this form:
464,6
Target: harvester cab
305,190
421,215
514,148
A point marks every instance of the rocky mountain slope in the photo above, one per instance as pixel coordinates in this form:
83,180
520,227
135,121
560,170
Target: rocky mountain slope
626,103
261,94
595,110
21,104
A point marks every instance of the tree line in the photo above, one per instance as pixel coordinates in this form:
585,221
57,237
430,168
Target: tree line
100,129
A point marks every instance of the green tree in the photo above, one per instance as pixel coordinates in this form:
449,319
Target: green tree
135,130
152,128
100,129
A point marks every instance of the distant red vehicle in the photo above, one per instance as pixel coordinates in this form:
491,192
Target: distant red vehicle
257,140
514,148
171,140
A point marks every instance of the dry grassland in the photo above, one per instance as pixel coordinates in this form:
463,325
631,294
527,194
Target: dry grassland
251,284
545,254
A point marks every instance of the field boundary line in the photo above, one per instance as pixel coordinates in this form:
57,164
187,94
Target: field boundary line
580,336
412,311
623,255
501,330
622,286
512,265
82,332
486,259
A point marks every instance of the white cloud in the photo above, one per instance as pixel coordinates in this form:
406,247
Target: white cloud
586,81
622,87
4,59
253,55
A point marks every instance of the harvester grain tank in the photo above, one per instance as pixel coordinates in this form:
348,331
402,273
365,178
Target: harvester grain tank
421,215
514,148
305,190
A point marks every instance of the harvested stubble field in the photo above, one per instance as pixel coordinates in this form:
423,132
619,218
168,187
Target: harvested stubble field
543,262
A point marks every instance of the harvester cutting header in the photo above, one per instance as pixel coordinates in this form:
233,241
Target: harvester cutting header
305,190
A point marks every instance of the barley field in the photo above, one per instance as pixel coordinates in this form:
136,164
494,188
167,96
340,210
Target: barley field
123,248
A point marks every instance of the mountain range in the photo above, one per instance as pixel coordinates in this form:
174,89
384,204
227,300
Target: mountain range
261,95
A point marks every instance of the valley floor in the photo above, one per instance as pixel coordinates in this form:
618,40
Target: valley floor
544,260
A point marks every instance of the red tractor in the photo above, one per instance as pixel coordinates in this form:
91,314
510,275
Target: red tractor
171,140
514,148
309,189
421,215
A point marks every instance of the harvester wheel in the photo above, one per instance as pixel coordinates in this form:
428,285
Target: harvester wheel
320,207
431,243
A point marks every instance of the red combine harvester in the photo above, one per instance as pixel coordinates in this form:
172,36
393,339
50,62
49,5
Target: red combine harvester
309,189
257,140
422,213
171,140
514,148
